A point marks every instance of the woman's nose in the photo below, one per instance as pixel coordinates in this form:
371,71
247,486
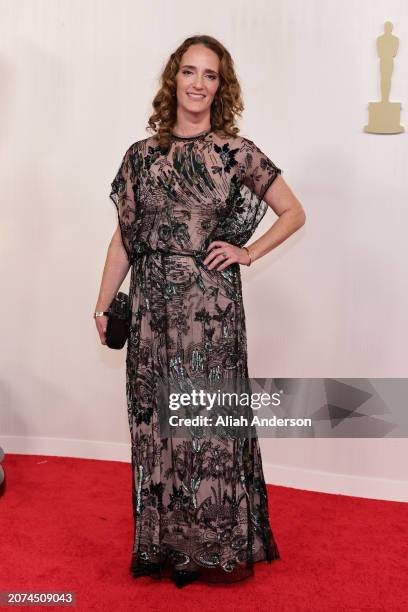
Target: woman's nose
198,82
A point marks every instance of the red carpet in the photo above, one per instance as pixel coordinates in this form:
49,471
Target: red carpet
66,524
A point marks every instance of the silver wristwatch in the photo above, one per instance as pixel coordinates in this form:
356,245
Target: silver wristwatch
100,313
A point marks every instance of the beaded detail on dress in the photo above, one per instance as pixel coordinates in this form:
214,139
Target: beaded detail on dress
193,136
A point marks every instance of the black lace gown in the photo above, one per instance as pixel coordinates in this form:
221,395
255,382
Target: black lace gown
200,506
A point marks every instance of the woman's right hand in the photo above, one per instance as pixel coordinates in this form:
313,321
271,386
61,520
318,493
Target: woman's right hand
101,323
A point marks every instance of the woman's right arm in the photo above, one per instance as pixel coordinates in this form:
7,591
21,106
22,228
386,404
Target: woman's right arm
115,270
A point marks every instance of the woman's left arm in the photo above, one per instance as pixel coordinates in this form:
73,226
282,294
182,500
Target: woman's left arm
292,216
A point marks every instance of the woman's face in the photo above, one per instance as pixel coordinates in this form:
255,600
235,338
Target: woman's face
197,74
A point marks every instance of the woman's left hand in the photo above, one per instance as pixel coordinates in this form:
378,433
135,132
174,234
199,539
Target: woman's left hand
224,253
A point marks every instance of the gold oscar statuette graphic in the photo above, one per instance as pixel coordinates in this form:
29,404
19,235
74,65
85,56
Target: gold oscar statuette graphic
384,116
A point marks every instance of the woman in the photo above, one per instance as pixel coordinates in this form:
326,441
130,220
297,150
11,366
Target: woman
188,198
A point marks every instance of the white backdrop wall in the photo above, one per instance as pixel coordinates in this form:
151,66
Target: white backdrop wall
77,80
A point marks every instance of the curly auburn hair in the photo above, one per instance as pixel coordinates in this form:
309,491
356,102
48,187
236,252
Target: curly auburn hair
227,103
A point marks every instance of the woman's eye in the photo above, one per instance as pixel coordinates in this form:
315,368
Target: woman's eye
212,76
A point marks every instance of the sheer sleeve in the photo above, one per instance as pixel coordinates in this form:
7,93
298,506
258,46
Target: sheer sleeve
124,194
259,171
255,174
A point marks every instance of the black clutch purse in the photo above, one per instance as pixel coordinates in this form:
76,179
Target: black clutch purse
117,329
